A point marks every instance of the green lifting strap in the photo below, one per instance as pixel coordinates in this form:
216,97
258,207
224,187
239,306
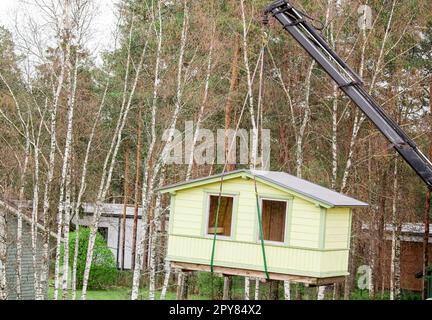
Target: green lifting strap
216,226
261,230
215,232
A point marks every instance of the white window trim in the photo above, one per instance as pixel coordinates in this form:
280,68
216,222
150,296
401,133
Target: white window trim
277,243
207,214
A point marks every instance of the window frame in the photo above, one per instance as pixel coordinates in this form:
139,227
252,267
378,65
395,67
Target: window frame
288,202
207,197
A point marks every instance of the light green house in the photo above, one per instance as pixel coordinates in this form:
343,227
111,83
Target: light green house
306,227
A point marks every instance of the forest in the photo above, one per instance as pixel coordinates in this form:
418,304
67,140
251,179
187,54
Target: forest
79,127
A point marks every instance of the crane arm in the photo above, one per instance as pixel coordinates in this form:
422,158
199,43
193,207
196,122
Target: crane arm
295,23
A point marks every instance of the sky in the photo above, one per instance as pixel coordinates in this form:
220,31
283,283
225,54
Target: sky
103,25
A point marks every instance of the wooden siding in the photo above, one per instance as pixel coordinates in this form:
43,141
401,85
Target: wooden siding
228,253
316,239
337,228
27,279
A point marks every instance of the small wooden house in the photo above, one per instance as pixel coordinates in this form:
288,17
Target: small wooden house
306,227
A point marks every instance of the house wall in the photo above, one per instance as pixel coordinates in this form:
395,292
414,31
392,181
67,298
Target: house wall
337,228
27,275
411,263
114,236
308,228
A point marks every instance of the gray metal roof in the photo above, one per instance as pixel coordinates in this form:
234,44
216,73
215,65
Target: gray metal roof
289,182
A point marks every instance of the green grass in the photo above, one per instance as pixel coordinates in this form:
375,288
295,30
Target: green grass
364,295
121,294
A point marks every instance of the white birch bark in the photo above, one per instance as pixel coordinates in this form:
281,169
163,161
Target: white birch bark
334,145
148,185
20,216
359,118
254,149
35,207
306,117
395,276
287,290
3,255
63,207
154,241
107,174
68,206
160,164
141,243
166,280
24,167
321,292
81,191
247,288
257,289
334,115
43,282
201,110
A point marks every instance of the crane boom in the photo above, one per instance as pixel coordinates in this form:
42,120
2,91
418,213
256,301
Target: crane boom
294,22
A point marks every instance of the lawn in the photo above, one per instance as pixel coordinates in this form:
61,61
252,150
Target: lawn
121,294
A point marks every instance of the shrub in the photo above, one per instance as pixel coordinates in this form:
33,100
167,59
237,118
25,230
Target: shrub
209,284
103,272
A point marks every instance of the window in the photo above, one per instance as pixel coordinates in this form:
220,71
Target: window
224,217
273,214
104,233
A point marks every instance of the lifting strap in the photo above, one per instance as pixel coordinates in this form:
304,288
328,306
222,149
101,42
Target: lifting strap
261,230
218,209
259,223
216,224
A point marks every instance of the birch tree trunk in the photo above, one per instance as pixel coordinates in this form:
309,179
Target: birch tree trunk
19,243
35,208
395,275
43,283
111,158
254,151
306,117
202,108
154,241
234,82
321,292
144,225
63,214
148,184
359,118
334,145
257,289
137,187
246,288
3,254
287,290
81,191
166,280
125,203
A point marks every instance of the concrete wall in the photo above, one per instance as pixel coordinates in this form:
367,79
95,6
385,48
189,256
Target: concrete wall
112,221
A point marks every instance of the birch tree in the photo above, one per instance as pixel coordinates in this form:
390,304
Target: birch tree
148,187
111,158
141,243
395,289
64,213
3,254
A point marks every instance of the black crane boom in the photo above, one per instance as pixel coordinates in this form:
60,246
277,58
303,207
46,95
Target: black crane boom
294,22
